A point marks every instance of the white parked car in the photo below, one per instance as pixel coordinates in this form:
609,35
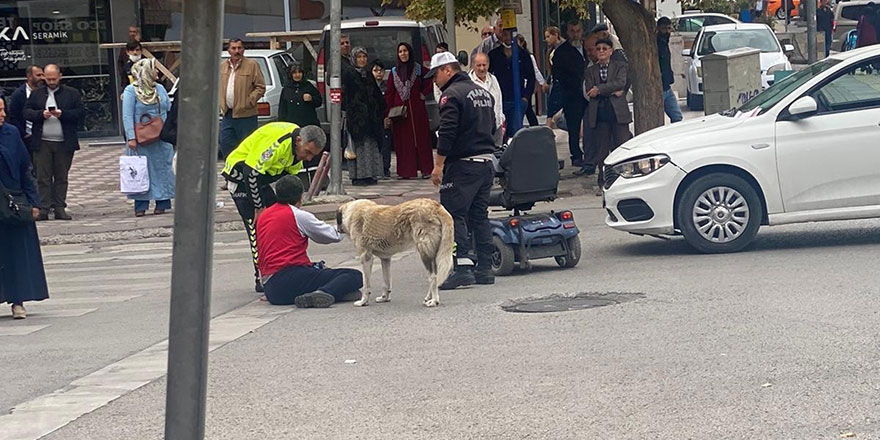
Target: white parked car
723,37
804,150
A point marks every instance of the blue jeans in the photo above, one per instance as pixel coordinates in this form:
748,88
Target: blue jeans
233,131
143,205
670,106
828,38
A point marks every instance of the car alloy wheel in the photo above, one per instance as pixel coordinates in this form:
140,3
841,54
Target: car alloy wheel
721,214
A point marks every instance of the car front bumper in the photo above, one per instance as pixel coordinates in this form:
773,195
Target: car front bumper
644,205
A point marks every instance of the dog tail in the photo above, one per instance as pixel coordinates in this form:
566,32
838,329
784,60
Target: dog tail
447,245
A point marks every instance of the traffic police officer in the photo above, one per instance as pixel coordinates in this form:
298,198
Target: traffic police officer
273,151
463,167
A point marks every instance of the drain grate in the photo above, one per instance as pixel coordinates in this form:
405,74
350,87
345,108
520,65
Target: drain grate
569,302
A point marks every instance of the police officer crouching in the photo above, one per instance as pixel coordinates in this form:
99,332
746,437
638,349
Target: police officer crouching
463,164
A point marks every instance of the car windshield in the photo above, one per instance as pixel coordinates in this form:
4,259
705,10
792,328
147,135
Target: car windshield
782,88
381,42
717,41
263,67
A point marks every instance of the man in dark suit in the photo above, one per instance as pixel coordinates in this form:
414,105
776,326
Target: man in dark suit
568,71
34,81
608,112
56,112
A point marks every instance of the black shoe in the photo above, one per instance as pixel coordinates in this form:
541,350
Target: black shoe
352,296
44,215
317,299
484,277
458,278
258,286
61,214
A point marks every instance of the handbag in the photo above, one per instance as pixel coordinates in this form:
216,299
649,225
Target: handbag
134,176
397,112
149,128
15,210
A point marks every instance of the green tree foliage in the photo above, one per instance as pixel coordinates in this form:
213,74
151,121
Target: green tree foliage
469,11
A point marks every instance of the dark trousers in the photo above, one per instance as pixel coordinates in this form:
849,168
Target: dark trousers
247,211
233,131
531,116
293,281
554,99
52,162
591,153
465,195
609,135
573,109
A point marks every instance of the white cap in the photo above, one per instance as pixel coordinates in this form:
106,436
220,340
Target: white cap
439,60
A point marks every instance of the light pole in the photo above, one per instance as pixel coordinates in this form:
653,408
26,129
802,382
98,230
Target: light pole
191,265
335,99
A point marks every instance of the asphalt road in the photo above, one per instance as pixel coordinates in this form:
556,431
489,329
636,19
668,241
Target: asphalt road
775,342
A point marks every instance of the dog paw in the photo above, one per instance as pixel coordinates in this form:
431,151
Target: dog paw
432,303
382,299
361,303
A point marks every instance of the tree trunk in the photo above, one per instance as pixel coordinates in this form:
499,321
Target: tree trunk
636,28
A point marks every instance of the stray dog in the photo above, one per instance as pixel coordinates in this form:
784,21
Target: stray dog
382,231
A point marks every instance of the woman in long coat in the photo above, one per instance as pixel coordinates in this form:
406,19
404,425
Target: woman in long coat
145,97
363,119
299,100
408,87
22,277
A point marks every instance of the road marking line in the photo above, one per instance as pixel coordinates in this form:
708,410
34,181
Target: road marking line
45,414
62,313
20,330
90,300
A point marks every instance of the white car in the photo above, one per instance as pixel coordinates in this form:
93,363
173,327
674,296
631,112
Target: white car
723,37
804,150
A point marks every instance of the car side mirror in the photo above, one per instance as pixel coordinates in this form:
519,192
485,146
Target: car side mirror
803,107
788,48
686,52
463,58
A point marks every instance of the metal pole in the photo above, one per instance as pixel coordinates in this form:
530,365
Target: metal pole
450,26
516,124
335,107
287,19
194,221
810,11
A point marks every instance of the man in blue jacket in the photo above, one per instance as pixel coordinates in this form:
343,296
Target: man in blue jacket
34,81
501,65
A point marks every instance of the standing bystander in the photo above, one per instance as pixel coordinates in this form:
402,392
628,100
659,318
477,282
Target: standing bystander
825,23
670,102
56,112
15,113
568,72
481,76
241,86
608,113
501,65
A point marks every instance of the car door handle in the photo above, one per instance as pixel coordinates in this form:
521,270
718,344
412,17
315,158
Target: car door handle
760,146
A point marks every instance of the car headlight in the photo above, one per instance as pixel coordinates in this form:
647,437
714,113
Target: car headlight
641,167
776,68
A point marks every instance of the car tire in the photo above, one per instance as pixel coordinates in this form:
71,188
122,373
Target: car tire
573,256
719,213
503,257
780,13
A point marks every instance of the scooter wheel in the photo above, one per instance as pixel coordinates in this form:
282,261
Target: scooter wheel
573,256
503,258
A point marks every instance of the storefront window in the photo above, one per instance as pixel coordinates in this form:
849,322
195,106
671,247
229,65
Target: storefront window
66,33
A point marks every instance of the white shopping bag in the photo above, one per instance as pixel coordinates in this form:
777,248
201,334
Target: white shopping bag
133,175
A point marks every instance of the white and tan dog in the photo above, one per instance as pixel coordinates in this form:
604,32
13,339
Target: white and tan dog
382,231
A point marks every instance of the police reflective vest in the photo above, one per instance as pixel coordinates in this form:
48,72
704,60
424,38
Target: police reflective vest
269,151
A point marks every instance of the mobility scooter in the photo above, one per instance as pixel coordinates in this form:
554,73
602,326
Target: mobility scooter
528,171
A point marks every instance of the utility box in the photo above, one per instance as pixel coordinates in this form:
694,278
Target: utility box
730,78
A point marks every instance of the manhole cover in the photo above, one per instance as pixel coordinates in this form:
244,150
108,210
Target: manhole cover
569,302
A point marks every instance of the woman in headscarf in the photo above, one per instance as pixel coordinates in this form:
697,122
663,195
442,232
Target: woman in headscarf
408,88
363,105
144,98
22,277
299,100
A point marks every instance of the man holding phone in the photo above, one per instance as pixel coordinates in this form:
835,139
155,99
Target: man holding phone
56,111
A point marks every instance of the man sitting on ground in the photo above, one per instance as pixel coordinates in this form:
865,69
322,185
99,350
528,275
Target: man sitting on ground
288,275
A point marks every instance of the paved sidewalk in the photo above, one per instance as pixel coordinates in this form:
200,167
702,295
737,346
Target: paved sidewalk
99,208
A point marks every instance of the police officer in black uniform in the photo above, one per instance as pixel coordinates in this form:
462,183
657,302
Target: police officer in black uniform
463,167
